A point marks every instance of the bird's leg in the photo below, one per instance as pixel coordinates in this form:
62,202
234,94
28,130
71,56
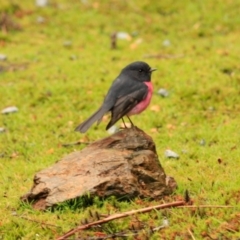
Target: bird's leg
132,125
124,123
125,126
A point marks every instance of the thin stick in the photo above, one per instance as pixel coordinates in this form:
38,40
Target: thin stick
206,206
191,234
120,215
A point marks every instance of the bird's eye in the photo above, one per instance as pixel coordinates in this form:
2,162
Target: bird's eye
140,70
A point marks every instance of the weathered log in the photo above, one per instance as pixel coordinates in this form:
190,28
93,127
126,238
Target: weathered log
124,164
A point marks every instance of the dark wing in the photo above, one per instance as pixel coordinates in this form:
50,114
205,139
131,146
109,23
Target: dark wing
127,102
121,86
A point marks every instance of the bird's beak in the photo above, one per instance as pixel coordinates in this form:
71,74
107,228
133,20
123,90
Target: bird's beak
153,69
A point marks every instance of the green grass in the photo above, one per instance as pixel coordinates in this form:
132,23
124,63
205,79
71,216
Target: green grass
56,87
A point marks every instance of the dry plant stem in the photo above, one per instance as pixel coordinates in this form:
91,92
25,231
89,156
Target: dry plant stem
192,236
120,215
206,206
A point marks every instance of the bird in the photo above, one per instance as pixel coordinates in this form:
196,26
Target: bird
129,94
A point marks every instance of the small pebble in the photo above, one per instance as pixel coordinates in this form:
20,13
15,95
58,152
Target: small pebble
166,43
171,154
2,129
211,109
14,213
165,222
41,3
135,33
163,92
11,109
73,57
202,142
3,57
123,35
67,43
40,19
113,129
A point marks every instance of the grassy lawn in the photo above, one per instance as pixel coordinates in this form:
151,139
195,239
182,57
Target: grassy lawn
60,65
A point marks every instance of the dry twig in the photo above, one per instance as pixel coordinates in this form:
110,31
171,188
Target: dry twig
206,206
120,215
191,234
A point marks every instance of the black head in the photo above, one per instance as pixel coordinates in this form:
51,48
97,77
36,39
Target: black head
139,71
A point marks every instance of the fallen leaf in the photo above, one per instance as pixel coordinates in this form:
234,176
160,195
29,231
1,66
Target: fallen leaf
197,25
14,155
171,126
50,151
135,44
84,139
222,52
154,130
155,108
105,118
95,5
70,123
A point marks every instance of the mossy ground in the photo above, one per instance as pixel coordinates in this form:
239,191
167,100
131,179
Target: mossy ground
57,73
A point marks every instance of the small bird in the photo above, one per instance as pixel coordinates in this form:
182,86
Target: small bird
129,94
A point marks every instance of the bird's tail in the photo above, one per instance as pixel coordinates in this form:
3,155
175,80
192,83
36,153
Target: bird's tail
97,116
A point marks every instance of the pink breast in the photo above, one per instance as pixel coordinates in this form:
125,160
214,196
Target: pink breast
144,103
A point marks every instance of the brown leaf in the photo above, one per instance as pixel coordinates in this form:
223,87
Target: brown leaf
70,123
14,155
135,44
105,118
155,108
222,52
154,130
171,126
50,151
